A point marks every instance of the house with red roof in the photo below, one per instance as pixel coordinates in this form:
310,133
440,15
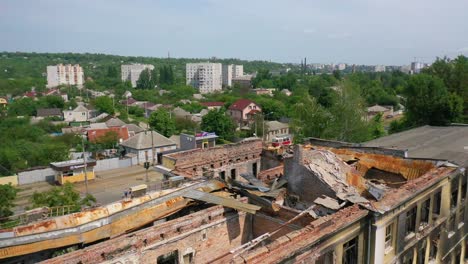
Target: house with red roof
243,110
95,134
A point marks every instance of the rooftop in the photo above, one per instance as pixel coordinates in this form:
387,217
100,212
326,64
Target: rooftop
143,140
447,143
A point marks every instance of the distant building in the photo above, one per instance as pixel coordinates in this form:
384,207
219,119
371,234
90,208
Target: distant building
206,77
264,91
416,66
121,133
142,145
242,111
79,114
286,92
274,129
212,105
231,71
201,140
65,75
131,72
244,81
386,111
379,68
49,112
341,66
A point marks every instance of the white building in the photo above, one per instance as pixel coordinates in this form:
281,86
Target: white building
231,71
206,77
79,114
65,75
341,66
379,68
131,72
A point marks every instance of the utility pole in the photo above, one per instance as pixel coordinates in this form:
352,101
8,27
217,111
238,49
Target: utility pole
84,162
152,147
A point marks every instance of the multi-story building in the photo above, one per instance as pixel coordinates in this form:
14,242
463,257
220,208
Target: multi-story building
379,68
206,77
231,71
131,72
65,75
341,66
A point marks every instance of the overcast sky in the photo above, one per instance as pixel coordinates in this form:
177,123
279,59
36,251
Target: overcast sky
390,32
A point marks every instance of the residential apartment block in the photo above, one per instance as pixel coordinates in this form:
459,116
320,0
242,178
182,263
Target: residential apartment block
231,71
131,72
206,77
65,75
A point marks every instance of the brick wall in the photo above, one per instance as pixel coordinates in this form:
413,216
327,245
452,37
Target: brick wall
268,176
207,233
209,162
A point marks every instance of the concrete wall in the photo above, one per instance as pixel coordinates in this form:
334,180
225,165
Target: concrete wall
9,179
114,163
39,175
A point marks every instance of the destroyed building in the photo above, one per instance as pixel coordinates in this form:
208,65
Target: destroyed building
330,202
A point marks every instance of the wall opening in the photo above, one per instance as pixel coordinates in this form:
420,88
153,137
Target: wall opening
169,258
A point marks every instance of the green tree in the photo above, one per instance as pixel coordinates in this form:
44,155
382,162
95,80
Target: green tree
64,195
112,72
309,119
428,102
376,127
154,77
144,81
6,199
347,122
162,122
216,121
104,104
22,107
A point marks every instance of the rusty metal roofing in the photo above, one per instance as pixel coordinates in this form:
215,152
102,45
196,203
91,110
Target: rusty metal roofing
227,202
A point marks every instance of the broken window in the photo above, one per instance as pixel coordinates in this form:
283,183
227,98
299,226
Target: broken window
389,236
326,258
436,205
410,220
463,190
350,252
425,209
169,258
233,174
254,169
222,175
433,248
188,258
422,253
454,195
408,258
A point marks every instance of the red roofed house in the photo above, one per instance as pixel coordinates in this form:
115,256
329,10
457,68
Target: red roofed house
243,110
212,105
95,134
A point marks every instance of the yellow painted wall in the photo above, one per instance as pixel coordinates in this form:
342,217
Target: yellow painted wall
76,178
9,179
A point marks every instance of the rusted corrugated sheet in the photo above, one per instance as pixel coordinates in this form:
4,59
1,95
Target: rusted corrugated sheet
227,202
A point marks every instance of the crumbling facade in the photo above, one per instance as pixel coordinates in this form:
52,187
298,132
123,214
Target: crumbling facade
331,203
224,162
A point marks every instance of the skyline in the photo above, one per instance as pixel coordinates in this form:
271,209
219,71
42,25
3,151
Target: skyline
355,32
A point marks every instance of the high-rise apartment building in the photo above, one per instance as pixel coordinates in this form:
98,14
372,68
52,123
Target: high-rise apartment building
231,71
206,77
131,72
65,75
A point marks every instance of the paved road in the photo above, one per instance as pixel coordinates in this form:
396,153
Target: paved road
107,187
